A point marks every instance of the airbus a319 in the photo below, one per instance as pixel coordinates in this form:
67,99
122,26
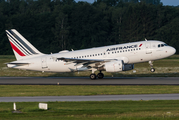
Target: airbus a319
113,58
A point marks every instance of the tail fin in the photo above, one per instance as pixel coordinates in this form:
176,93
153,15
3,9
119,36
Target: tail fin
21,47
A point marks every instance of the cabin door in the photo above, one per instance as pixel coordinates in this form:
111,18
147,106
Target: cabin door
148,48
44,63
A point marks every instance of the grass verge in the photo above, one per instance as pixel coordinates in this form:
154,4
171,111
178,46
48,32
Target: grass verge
123,110
67,90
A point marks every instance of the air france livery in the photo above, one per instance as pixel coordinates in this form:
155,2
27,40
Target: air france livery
113,58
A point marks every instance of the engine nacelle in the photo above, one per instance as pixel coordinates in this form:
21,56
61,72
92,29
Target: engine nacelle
117,66
127,67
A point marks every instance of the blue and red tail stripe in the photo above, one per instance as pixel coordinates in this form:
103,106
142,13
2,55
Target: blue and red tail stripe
19,45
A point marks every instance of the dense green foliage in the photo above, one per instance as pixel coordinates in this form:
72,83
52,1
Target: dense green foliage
56,25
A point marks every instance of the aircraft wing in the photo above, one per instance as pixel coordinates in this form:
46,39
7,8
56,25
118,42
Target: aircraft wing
85,62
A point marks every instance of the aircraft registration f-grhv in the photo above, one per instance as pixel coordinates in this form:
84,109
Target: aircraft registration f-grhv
113,58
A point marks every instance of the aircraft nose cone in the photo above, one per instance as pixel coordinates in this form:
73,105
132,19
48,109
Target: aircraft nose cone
173,50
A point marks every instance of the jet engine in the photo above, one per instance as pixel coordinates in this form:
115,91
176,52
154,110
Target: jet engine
117,66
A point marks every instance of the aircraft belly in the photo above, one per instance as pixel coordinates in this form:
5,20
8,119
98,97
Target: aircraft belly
59,67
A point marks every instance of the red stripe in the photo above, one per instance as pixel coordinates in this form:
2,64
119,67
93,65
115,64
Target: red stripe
140,45
17,50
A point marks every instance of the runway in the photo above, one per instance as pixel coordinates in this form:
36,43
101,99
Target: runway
87,81
91,98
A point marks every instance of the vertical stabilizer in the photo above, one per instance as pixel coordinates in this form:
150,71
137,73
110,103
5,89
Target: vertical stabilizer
21,47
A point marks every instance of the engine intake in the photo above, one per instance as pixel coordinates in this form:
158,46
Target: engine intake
117,66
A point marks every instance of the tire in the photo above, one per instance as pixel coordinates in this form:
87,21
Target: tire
100,75
152,70
93,76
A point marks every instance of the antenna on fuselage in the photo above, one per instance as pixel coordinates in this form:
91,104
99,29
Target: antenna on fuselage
145,39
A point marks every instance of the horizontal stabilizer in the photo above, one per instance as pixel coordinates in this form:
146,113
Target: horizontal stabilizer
19,64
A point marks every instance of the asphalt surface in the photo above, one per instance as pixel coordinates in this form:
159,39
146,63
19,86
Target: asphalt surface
91,98
87,81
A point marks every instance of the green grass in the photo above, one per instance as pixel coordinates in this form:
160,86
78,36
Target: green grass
164,68
112,110
55,90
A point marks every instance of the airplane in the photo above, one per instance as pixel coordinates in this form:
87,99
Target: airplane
113,58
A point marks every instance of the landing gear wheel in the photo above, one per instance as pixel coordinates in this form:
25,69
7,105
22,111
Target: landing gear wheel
93,76
152,69
100,75
151,65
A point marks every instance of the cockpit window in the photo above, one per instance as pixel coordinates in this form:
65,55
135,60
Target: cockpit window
162,45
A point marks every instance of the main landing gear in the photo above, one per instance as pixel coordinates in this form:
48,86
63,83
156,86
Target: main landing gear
99,75
151,65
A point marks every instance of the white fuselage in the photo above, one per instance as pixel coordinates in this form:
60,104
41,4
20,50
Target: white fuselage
130,53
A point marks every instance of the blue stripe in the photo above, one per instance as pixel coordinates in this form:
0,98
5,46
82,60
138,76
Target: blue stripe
18,45
22,42
21,47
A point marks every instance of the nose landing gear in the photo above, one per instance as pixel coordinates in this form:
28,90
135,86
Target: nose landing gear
151,65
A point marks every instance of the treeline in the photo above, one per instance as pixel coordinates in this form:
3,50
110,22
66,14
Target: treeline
52,26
